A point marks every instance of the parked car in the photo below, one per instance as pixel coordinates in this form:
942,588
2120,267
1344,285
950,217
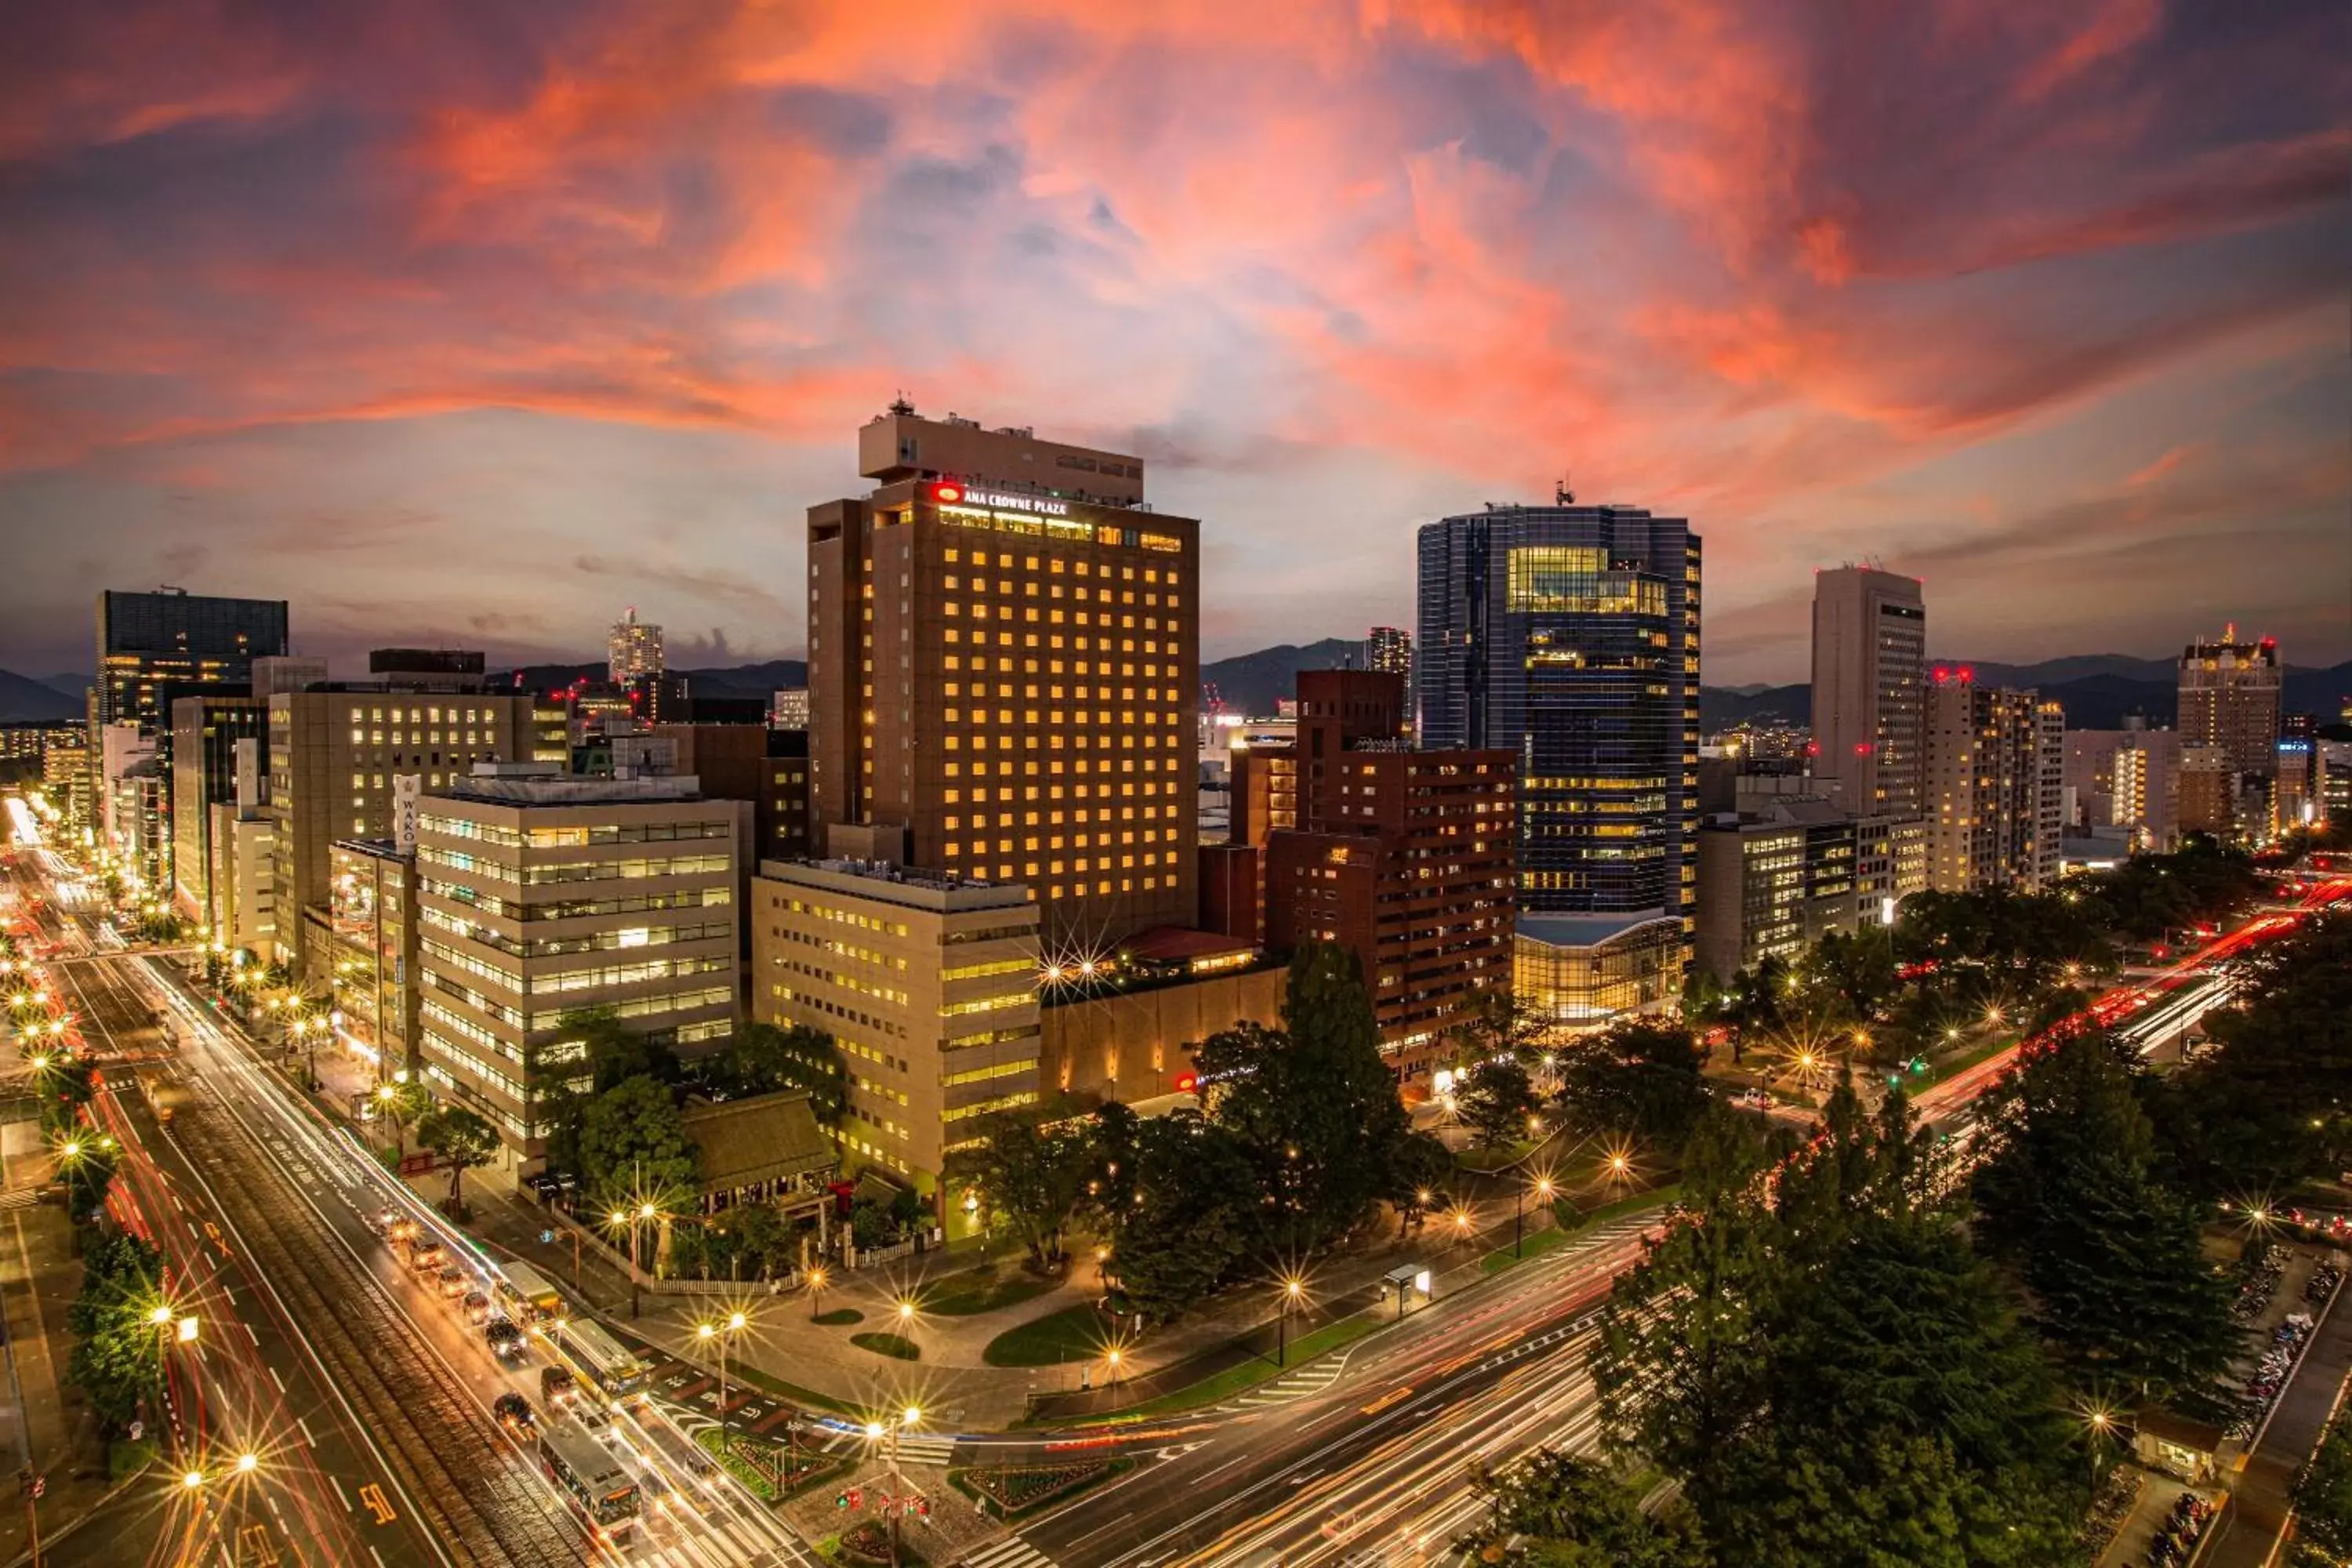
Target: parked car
513,1413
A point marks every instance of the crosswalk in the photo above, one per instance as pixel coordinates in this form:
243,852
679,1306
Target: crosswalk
1010,1552
1313,1378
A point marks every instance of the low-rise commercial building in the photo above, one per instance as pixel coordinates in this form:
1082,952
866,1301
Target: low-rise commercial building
541,897
1584,972
926,983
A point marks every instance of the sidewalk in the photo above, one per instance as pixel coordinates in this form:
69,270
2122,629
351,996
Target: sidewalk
2247,1534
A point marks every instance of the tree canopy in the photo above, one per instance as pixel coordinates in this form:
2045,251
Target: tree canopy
632,1142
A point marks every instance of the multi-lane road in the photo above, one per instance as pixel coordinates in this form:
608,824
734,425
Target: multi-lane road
364,1397
333,1408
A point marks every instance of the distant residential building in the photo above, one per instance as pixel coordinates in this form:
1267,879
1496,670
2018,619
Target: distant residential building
927,984
1583,972
1389,649
1869,690
134,801
2230,699
2296,799
2128,779
633,649
217,743
1996,774
338,753
540,896
67,769
2335,775
373,917
789,708
2208,791
1569,635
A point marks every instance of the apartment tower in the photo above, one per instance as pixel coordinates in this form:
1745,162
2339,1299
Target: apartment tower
1869,644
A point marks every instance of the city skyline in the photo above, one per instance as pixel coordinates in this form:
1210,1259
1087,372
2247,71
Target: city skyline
482,342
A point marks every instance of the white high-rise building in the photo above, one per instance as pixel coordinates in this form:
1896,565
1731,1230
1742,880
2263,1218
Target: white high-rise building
1870,642
635,649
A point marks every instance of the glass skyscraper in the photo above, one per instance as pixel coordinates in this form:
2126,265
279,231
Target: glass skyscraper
1569,635
156,647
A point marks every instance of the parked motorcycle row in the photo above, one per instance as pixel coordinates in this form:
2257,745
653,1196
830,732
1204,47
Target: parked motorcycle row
2324,1280
2258,1277
2270,1373
2176,1537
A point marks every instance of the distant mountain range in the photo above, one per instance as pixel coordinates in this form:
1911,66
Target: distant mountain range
2097,690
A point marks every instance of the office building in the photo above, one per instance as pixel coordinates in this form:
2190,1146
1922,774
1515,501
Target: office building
2210,787
152,647
1389,649
633,649
927,984
1870,645
1003,669
1402,857
291,672
1996,776
769,768
2335,781
339,756
1584,972
217,745
67,769
373,916
1570,635
2296,794
789,708
240,882
2230,699
540,896
2124,779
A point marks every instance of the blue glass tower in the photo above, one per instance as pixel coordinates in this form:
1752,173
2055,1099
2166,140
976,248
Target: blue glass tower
1569,633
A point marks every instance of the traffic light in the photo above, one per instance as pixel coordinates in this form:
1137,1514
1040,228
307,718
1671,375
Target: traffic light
923,1507
857,1496
841,1499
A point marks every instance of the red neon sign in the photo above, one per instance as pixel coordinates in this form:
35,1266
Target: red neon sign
1186,1082
947,493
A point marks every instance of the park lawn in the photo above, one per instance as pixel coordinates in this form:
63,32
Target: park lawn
895,1346
969,1295
1543,1241
1938,1071
1074,1333
839,1316
1486,1160
793,1391
1250,1374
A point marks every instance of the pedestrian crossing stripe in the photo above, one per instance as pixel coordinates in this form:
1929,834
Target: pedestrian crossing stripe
1010,1552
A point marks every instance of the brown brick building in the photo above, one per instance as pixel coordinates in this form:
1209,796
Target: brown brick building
1403,856
1003,662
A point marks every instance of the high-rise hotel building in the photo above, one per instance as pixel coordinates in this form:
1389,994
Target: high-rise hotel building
1569,635
1004,667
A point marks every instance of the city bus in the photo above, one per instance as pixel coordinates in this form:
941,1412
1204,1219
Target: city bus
610,1368
590,1477
526,1294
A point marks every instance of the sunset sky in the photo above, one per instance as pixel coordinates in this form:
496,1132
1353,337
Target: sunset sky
474,322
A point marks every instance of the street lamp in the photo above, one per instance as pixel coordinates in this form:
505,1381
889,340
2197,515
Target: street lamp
874,1430
723,1334
1293,1288
815,1288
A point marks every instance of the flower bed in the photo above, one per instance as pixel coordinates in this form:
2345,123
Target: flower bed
870,1541
1011,1491
771,1471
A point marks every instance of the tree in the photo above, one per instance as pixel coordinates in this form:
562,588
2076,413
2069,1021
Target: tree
1312,1103
1496,1102
2323,1500
1035,1171
1497,1022
117,1353
764,1059
1192,1220
403,1107
1638,1078
2111,1254
87,1177
463,1140
1555,1509
616,1053
632,1141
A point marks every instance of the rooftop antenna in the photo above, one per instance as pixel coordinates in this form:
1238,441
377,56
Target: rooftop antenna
899,404
1561,495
